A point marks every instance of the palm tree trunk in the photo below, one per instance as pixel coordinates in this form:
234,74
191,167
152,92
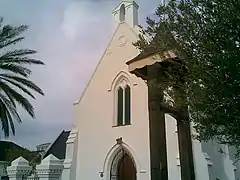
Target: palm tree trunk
157,132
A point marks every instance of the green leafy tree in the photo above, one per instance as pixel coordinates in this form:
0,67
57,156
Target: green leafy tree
204,80
15,85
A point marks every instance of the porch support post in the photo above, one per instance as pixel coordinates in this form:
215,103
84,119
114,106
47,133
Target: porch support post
158,150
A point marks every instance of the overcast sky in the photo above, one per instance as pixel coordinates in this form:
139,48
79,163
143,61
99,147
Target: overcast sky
70,36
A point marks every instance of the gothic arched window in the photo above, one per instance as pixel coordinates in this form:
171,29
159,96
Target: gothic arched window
120,106
122,13
127,105
123,103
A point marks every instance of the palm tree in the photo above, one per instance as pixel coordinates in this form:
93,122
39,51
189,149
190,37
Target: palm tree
14,83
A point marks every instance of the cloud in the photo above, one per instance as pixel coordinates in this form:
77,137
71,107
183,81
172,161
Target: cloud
70,36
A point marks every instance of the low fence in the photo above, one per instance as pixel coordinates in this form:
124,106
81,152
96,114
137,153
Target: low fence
32,178
49,169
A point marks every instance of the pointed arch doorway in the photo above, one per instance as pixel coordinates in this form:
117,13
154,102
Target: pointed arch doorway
123,167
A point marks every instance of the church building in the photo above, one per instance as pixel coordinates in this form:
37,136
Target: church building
110,135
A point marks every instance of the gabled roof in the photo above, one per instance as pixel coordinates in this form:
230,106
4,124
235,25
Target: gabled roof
144,54
5,146
58,147
148,57
103,55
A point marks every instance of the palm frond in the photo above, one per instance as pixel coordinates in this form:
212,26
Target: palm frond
18,98
1,21
11,99
10,42
8,112
20,60
12,110
24,81
19,53
19,56
4,119
19,86
9,32
14,84
10,120
17,69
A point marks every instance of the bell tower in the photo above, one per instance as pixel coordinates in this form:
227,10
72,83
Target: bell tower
126,11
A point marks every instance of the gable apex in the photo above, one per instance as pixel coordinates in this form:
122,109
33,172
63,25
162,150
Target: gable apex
102,57
89,81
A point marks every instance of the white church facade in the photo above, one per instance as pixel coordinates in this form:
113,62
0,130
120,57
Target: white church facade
110,135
